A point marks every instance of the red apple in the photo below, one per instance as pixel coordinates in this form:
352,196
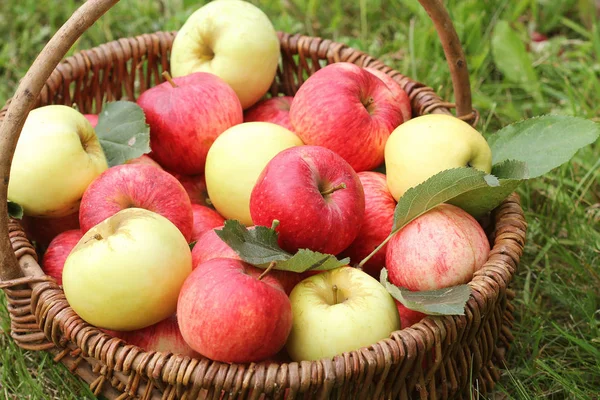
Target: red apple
348,110
163,336
227,314
205,219
58,251
93,118
408,317
136,185
144,159
43,230
185,116
377,224
397,90
210,246
316,196
275,110
441,248
195,186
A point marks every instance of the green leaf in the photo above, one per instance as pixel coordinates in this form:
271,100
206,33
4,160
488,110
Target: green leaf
543,143
480,201
256,246
447,301
513,60
259,247
123,132
192,244
511,169
438,189
308,260
15,210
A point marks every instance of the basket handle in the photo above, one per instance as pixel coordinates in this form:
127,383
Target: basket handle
454,55
31,85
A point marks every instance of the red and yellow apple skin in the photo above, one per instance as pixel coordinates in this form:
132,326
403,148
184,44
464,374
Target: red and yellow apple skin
144,159
210,246
58,251
377,223
397,90
44,230
441,248
93,118
205,219
297,188
136,185
164,336
348,110
408,317
227,314
185,120
275,110
195,186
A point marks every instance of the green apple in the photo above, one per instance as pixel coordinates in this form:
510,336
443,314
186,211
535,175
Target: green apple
236,159
57,156
126,272
338,311
426,145
232,39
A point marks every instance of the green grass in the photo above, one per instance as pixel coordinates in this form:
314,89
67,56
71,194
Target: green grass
557,334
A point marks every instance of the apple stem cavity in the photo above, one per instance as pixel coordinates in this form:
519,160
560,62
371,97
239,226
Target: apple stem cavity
333,189
368,103
269,268
169,79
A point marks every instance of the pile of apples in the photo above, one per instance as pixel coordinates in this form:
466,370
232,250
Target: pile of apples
135,246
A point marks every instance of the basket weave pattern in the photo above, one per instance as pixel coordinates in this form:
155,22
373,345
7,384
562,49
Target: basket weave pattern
440,357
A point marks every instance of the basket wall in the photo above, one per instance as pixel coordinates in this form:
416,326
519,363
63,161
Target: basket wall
441,357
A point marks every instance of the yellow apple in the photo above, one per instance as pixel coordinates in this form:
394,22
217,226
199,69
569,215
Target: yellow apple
235,161
232,39
126,272
338,311
57,156
426,145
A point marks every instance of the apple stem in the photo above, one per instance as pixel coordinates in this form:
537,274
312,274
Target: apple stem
274,224
266,271
333,189
367,258
97,236
169,79
335,294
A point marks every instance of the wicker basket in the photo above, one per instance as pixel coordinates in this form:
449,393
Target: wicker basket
440,357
